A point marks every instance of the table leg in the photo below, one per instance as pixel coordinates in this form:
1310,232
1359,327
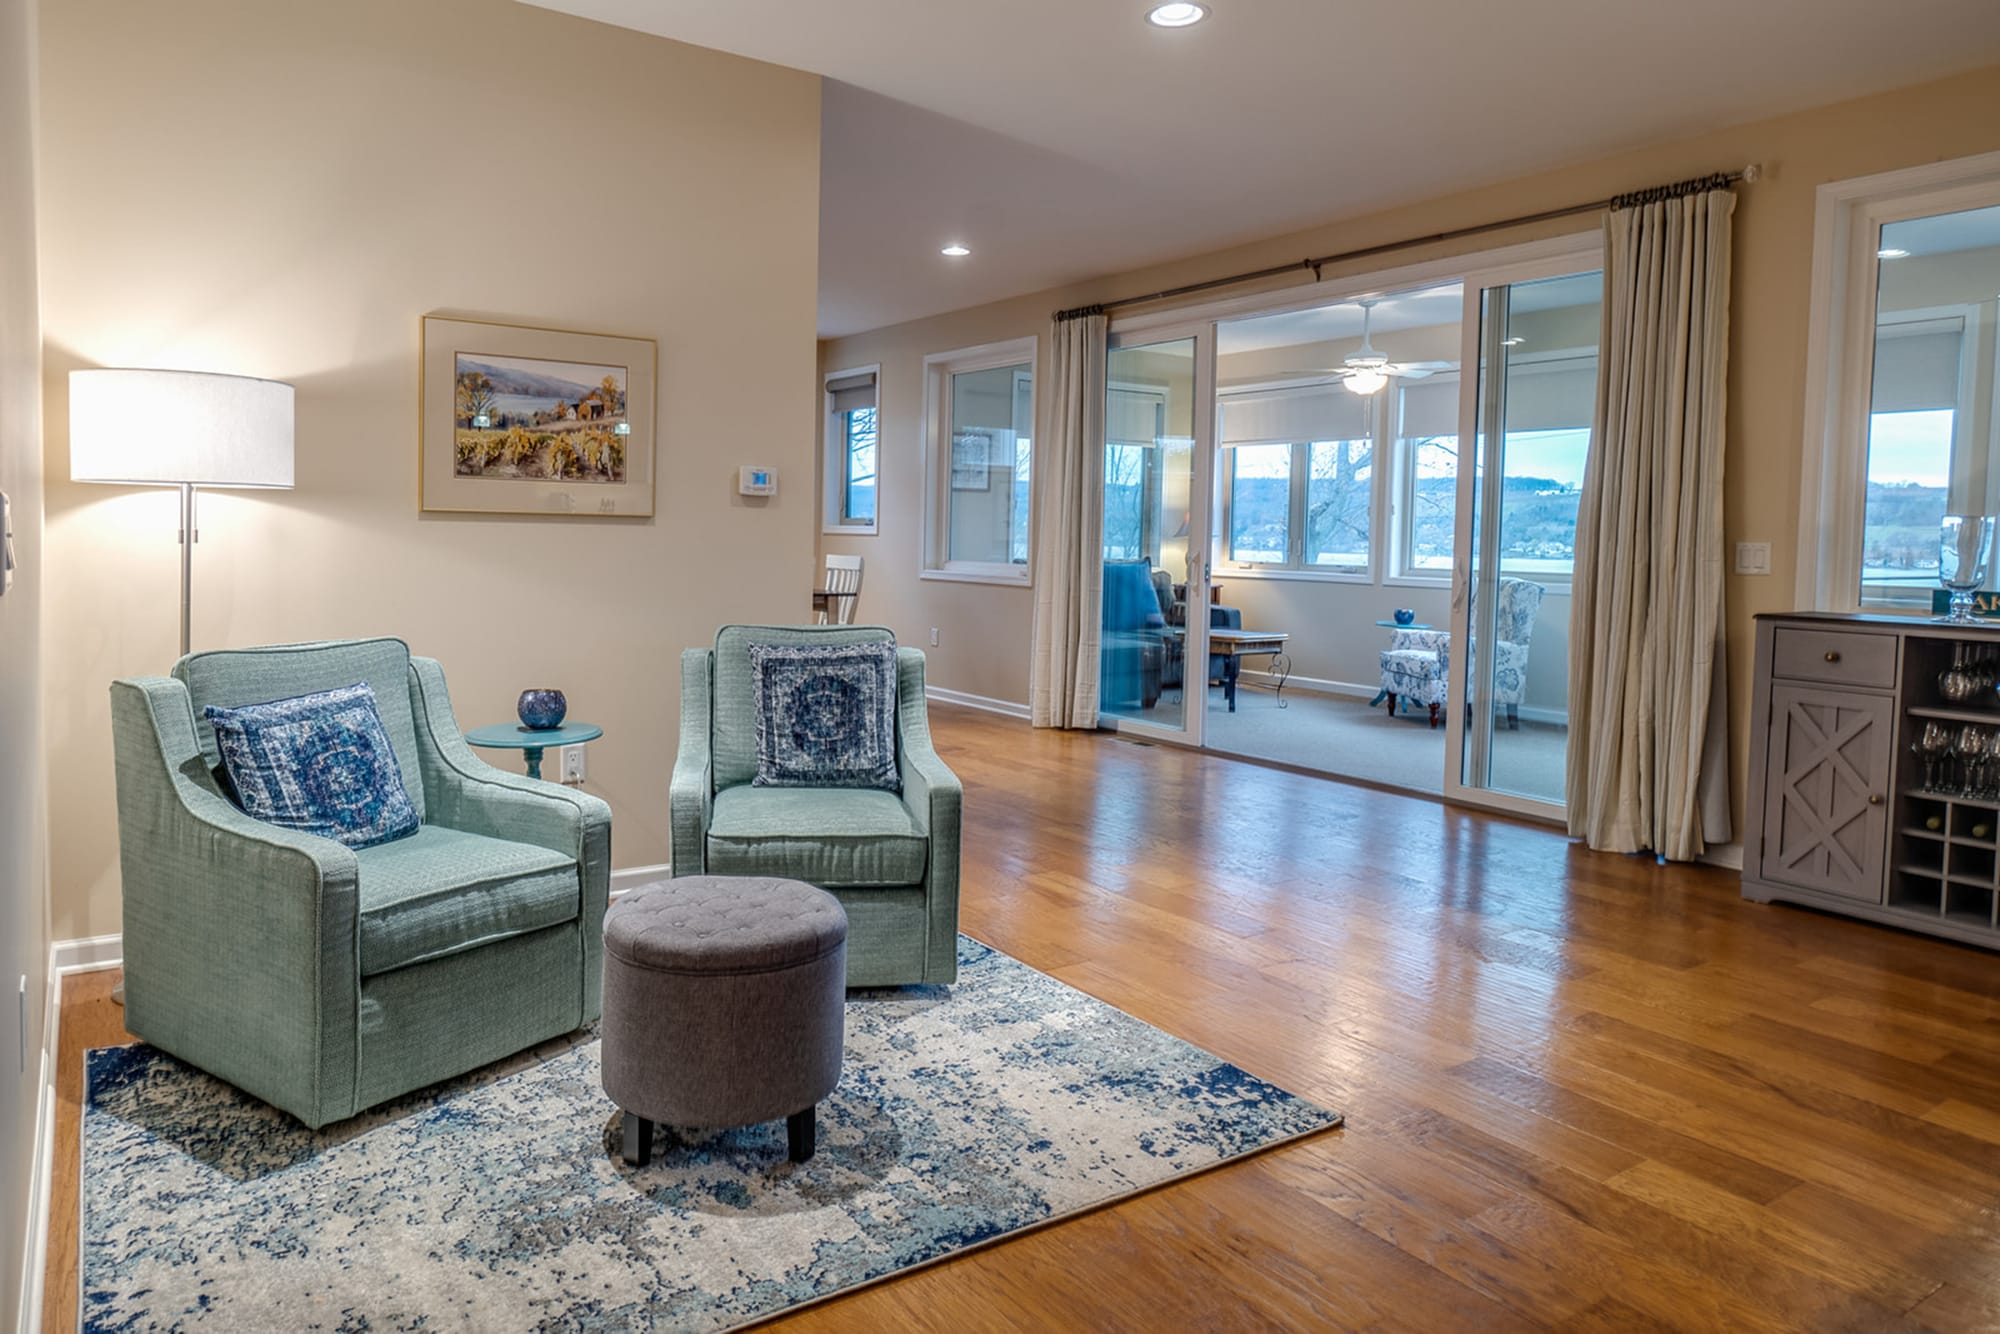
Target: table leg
534,754
1281,663
637,1148
1229,683
800,1133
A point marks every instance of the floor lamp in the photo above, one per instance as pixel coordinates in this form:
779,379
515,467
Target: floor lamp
186,429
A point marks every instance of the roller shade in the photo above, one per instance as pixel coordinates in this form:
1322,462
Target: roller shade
1132,416
1293,416
1430,407
1552,396
851,393
1915,371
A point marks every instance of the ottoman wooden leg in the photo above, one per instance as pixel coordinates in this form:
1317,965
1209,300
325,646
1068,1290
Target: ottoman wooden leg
638,1140
801,1129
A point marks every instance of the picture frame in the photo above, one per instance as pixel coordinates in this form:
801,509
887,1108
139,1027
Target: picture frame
971,459
519,419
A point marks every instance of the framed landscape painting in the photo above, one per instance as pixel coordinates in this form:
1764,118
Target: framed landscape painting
519,420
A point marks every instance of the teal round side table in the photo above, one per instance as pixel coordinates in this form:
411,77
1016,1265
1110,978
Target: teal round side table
531,742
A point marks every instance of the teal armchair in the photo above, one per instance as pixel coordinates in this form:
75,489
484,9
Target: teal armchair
891,859
324,979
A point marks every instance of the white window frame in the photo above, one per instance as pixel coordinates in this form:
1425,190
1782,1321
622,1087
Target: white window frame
1964,321
834,458
1833,491
939,368
1158,394
1401,571
1294,566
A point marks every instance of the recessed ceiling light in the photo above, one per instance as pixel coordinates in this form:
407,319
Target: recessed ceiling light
955,250
1177,14
1890,252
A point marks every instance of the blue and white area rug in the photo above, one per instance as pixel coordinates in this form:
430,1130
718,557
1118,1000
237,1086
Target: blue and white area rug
498,1202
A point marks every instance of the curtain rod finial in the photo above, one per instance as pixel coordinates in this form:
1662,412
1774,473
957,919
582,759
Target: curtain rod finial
1753,173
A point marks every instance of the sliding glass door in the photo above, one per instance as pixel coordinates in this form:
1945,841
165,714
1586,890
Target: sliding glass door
1535,343
1156,447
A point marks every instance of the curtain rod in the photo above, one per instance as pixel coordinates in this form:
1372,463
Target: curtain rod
1633,199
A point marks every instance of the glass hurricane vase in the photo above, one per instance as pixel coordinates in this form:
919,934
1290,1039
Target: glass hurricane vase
1965,546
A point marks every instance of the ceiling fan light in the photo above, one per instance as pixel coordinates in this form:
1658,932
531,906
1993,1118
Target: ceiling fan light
1366,381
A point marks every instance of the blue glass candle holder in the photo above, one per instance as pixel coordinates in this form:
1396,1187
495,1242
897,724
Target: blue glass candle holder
1405,615
542,709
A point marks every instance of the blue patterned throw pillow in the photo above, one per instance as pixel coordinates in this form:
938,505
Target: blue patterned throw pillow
826,715
319,764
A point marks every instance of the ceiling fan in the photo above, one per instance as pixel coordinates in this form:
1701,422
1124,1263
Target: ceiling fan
1366,370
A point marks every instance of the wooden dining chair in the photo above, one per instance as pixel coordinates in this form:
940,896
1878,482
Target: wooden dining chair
843,580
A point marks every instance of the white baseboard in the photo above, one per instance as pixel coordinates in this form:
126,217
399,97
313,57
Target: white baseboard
1729,856
1002,706
623,882
86,955
41,1186
1356,690
1310,684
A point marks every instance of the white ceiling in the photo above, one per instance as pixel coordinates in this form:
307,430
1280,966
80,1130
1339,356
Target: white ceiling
1063,139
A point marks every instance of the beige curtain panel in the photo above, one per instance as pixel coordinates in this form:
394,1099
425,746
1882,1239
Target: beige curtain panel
1648,740
1069,529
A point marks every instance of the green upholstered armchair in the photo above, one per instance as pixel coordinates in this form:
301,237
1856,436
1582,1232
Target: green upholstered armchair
325,979
891,860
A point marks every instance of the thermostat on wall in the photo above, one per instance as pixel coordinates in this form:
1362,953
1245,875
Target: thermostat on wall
757,481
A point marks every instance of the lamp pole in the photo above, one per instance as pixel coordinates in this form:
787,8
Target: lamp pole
189,536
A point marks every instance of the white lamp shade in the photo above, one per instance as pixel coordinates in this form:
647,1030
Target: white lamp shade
168,427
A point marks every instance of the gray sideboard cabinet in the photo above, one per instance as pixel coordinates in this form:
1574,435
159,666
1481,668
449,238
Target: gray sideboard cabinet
1843,811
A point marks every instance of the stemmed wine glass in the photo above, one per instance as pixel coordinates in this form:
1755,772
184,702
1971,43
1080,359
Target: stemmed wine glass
1965,545
1931,748
1971,748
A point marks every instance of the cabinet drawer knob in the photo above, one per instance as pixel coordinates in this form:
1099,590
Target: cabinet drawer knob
1833,655
1874,798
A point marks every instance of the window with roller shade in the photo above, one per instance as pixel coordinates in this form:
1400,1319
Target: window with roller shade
979,427
1134,426
1298,475
1427,453
1912,414
852,450
1550,404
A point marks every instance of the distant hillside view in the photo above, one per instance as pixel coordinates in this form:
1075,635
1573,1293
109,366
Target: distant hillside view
1900,535
1539,517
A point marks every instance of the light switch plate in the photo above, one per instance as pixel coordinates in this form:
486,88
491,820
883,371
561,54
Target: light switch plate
6,543
1753,558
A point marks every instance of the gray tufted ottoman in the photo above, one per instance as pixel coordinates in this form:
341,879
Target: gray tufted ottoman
724,1005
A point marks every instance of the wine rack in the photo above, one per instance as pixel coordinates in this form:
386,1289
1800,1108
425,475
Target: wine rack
1875,771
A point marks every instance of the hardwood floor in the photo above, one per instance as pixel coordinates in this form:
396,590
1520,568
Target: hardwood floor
1582,1091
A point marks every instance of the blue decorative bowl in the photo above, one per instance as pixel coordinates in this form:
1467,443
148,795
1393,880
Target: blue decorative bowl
1403,615
542,710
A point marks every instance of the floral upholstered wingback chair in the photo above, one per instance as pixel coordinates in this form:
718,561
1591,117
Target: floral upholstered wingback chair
1519,601
1417,664
1415,667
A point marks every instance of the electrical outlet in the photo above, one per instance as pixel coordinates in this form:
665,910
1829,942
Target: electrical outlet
1753,558
934,636
572,766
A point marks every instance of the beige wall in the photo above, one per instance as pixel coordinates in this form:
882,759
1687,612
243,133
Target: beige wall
282,190
985,649
23,871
